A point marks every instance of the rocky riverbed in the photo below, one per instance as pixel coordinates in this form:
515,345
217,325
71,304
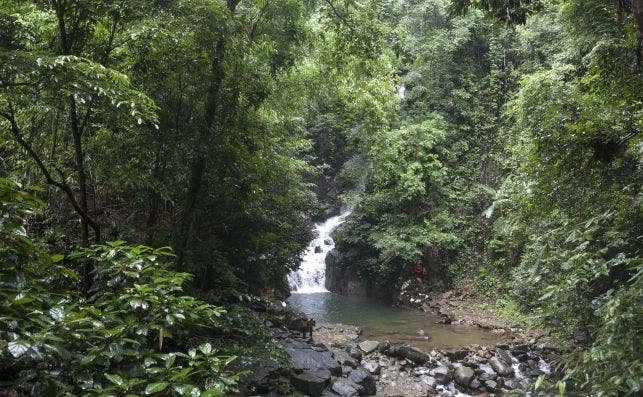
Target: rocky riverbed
336,362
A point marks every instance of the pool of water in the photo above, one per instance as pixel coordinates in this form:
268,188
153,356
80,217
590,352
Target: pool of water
379,321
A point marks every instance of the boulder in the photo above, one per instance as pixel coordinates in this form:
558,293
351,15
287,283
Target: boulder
383,346
345,388
368,346
500,367
318,249
441,374
504,356
429,381
456,354
510,384
413,354
355,353
475,384
304,357
361,377
345,359
548,346
328,241
312,382
373,368
463,376
262,378
491,386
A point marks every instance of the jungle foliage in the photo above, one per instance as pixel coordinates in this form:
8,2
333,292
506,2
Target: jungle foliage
190,124
509,163
513,169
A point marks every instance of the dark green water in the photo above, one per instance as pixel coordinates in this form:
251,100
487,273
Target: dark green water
380,322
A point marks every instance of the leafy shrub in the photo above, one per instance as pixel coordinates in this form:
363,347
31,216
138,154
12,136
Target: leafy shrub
133,333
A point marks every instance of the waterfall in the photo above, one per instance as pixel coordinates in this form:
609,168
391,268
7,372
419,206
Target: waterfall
311,275
401,91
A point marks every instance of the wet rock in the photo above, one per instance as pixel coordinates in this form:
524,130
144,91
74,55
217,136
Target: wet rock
413,354
328,241
345,388
312,382
504,356
383,346
261,379
361,377
305,358
368,346
318,249
534,373
393,349
345,359
548,346
491,386
510,384
503,369
441,374
373,368
355,353
456,354
463,376
429,381
475,384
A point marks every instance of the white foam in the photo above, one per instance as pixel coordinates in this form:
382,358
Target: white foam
311,276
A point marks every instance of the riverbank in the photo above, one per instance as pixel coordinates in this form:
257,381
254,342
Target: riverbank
340,361
400,370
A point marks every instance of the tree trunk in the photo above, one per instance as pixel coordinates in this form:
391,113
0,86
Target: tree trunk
80,169
637,12
203,139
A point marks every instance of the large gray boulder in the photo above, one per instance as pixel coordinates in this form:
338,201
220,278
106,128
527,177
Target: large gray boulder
413,354
463,376
441,374
306,357
368,346
312,382
361,377
345,359
502,368
345,388
504,356
373,368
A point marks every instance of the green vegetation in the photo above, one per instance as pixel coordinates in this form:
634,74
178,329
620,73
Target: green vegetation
513,168
509,164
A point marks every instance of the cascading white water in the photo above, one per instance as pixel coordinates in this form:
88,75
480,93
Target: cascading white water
311,275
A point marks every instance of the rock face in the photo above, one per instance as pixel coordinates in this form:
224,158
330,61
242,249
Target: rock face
340,279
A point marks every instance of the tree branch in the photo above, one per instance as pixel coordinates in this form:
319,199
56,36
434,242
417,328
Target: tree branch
62,184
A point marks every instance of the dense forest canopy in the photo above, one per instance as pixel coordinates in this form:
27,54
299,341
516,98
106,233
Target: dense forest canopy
498,142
